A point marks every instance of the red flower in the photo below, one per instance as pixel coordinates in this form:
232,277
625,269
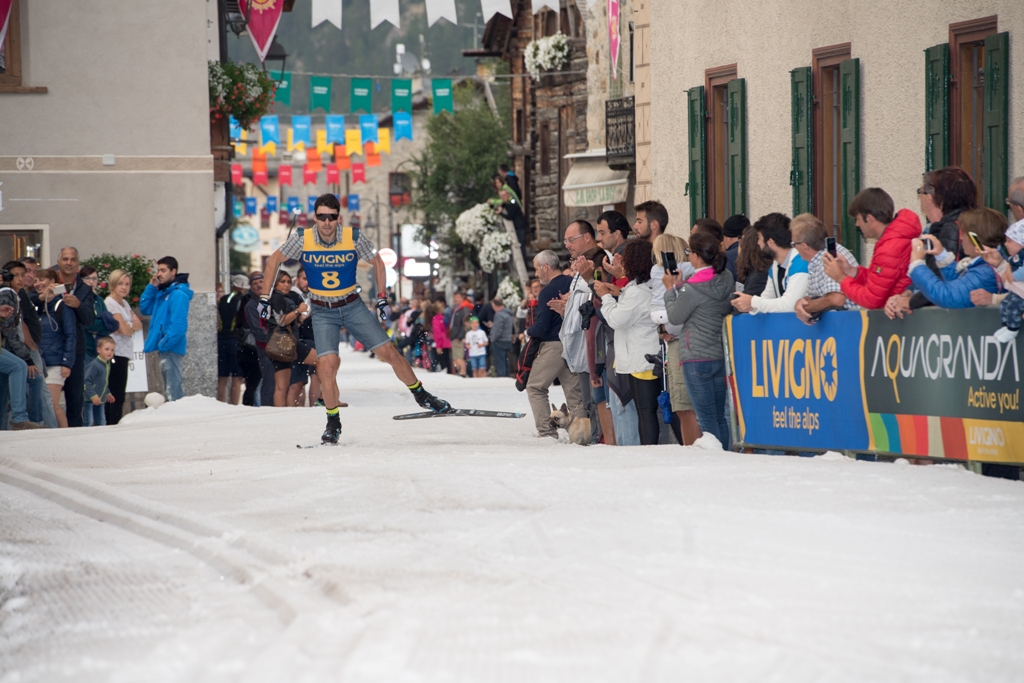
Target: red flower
135,299
106,265
103,285
135,256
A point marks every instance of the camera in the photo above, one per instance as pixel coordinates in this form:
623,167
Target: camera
587,312
6,275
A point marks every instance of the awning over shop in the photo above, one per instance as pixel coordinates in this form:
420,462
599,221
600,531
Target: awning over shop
591,183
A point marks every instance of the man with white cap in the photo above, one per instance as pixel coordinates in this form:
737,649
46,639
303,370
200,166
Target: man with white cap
229,371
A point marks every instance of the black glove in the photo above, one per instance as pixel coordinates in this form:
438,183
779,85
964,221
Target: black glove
383,309
263,308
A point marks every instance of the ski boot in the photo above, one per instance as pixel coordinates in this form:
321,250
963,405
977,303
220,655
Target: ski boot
333,430
427,400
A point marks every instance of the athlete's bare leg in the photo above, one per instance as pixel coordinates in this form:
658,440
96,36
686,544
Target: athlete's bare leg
390,355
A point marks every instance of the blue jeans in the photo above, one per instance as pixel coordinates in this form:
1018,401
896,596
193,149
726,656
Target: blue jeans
14,374
40,403
94,416
705,380
625,419
500,352
170,369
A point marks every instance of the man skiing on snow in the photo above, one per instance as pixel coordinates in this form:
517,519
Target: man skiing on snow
330,253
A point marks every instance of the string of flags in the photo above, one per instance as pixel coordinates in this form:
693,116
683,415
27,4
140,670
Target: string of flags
248,206
321,90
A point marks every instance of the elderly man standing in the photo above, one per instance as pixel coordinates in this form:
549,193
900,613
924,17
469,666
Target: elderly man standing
79,298
580,240
549,364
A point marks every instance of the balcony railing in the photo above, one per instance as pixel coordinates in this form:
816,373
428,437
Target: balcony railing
620,132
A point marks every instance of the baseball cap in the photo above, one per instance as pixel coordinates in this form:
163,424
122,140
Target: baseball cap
240,281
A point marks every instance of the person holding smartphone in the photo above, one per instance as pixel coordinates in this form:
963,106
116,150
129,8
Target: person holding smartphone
952,289
60,339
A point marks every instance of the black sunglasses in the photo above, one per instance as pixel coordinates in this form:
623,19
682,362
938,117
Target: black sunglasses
327,216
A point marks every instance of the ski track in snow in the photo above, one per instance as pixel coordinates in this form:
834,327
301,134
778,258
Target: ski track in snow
196,543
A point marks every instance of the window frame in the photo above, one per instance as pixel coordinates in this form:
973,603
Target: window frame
12,81
716,156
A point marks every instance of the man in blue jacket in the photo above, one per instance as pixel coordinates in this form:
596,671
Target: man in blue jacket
166,300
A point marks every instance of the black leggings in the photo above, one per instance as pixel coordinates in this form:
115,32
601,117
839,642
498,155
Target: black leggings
645,393
251,369
117,382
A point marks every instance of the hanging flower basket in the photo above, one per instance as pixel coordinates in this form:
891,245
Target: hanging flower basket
241,90
509,292
546,54
474,224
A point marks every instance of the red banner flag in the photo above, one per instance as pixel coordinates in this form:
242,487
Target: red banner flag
332,173
263,17
308,174
259,177
282,217
344,163
358,173
236,174
284,174
372,160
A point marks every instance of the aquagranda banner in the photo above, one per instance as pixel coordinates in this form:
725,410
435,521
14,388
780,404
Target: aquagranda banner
934,384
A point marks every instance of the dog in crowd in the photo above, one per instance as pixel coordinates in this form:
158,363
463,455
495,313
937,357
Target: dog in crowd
577,429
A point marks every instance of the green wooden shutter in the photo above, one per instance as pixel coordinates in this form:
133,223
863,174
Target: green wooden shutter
849,139
801,174
936,99
737,103
695,187
996,121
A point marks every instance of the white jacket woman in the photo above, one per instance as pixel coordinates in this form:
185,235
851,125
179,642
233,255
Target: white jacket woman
635,333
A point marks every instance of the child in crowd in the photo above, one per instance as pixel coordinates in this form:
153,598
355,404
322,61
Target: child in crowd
1011,310
97,383
476,346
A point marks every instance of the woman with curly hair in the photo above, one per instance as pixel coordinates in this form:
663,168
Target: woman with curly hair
699,305
636,335
752,264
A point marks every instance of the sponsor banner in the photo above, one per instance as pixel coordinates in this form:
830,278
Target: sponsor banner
935,384
796,385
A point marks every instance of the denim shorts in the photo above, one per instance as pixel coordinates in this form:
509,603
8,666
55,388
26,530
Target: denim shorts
356,318
477,362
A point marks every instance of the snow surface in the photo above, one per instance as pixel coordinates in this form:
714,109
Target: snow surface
195,542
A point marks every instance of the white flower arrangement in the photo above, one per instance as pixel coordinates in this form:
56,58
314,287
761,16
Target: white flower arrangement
546,54
473,224
509,292
495,250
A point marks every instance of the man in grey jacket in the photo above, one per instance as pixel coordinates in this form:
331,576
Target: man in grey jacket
501,336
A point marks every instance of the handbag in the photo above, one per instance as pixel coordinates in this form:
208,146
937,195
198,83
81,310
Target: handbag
282,346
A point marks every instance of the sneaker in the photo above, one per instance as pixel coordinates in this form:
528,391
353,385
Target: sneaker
427,400
333,430
17,426
319,403
1004,335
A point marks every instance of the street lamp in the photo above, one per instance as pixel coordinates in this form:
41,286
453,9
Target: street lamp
276,53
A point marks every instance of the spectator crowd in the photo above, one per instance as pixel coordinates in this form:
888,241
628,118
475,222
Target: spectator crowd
629,325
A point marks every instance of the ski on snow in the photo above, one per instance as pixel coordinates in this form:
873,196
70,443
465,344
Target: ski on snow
463,412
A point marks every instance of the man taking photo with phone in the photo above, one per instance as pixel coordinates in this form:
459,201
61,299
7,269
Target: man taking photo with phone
823,293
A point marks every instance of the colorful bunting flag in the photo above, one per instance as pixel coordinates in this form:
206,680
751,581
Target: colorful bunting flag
269,149
269,130
362,97
320,93
335,128
311,204
353,202
358,173
259,160
327,10
333,176
353,141
384,10
314,163
443,101
284,175
442,9
283,217
344,163
259,177
262,19
384,143
613,35
293,204
368,127
283,94
369,148
234,128
321,142
250,206
401,94
272,204
372,160
239,208
491,7
242,149
308,174
403,125
236,174
300,125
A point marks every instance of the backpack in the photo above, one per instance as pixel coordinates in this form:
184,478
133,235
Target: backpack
525,364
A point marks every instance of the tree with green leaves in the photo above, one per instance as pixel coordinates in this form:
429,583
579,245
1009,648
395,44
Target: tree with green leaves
454,171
